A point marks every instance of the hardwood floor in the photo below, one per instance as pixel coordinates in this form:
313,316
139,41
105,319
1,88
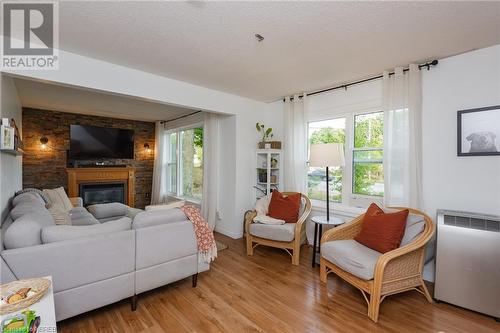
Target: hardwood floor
266,293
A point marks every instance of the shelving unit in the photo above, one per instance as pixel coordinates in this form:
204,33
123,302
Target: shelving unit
268,171
15,152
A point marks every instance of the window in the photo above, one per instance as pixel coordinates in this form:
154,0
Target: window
367,161
185,165
328,131
361,181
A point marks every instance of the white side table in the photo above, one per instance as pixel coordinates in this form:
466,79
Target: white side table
320,221
44,310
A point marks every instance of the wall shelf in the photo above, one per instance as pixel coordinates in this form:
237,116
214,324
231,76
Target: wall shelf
15,152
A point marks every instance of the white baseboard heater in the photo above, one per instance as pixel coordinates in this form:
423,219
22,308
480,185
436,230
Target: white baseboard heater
468,261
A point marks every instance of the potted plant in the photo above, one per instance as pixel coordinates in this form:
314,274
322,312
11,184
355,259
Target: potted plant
267,133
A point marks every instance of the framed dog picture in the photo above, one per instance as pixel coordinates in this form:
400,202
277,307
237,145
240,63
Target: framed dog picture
478,131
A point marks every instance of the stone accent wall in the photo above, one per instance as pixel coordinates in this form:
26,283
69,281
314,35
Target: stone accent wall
47,168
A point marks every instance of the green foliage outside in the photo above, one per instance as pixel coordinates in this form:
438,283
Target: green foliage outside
192,162
368,133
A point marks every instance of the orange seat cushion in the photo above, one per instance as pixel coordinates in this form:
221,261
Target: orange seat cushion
284,207
382,231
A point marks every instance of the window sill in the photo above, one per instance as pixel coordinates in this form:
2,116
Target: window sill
187,199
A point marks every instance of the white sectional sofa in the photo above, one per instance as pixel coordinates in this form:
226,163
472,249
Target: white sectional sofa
100,263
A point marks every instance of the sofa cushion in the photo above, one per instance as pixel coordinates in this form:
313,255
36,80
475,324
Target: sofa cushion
26,230
382,231
157,217
61,217
58,197
80,216
58,233
29,197
25,207
284,232
171,205
104,211
38,194
352,257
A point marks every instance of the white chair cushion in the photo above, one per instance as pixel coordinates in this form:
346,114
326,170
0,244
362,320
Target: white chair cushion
262,205
415,225
284,232
352,257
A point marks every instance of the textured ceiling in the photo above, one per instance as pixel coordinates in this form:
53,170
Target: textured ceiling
67,99
307,46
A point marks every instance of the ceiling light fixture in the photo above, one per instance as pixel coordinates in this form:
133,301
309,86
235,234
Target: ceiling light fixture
259,37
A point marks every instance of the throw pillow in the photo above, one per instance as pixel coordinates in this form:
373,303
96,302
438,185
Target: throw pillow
262,205
58,197
382,231
285,207
60,215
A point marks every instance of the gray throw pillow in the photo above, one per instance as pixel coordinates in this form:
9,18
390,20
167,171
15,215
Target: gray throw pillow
105,211
59,233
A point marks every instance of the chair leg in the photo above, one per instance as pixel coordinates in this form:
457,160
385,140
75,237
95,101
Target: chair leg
296,255
424,289
249,245
133,302
374,306
194,278
322,271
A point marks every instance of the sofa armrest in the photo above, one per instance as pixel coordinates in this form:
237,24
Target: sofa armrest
76,201
76,262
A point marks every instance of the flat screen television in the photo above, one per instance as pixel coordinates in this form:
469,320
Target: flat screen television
92,142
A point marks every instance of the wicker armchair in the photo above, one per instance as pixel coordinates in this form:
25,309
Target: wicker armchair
293,244
395,271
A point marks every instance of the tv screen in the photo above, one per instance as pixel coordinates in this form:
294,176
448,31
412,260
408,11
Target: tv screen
92,142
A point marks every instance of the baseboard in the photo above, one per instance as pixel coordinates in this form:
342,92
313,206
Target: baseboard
228,233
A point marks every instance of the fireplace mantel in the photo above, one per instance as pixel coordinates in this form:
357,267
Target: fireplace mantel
77,176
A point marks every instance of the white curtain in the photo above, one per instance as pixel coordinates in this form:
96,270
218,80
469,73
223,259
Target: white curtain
210,166
402,105
295,144
158,193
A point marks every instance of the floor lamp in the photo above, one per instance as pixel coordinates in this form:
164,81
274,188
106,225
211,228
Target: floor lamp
327,155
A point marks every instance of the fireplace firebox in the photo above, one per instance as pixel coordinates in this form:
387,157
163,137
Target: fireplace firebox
99,193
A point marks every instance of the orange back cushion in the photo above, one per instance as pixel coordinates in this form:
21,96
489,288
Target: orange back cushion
284,207
382,231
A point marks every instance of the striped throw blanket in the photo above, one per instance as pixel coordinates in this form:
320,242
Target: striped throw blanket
207,249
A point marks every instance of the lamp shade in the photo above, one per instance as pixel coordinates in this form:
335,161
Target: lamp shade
327,155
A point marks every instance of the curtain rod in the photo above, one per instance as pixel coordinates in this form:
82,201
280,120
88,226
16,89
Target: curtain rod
184,116
344,86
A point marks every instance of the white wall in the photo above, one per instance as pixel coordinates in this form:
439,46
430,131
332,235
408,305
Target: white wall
466,81
10,166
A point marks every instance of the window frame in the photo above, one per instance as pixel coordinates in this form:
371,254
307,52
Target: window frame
178,193
349,198
354,149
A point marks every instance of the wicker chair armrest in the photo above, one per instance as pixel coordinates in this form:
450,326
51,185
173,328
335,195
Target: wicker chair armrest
406,258
249,216
348,230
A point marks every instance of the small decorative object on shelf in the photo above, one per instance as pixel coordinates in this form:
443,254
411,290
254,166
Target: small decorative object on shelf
7,138
267,134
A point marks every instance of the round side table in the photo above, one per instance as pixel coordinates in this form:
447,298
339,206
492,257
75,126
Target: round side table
320,221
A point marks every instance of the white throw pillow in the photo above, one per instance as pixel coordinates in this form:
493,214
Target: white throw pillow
59,198
262,205
264,219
